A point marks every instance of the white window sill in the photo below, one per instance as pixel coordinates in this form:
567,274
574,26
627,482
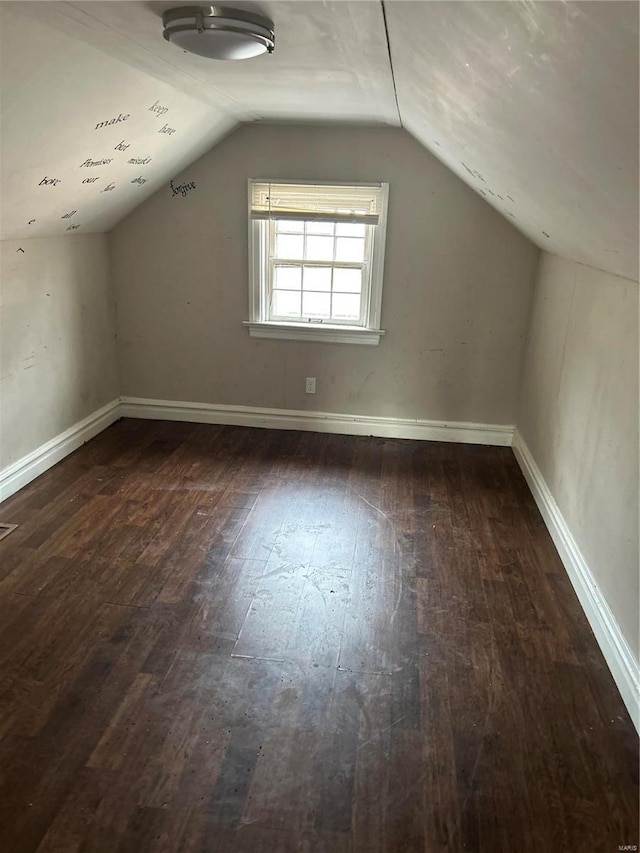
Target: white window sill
309,332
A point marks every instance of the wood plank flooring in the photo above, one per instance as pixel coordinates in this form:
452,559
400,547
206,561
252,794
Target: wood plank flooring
224,639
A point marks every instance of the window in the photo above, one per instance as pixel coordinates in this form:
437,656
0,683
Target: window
316,260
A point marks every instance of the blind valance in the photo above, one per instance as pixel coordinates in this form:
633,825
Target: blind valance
317,202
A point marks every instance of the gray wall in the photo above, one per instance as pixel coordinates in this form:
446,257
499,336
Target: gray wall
458,280
579,419
57,338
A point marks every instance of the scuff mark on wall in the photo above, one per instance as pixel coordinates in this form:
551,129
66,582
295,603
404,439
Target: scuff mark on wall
354,396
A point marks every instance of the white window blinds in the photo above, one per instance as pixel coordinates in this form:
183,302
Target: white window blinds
317,202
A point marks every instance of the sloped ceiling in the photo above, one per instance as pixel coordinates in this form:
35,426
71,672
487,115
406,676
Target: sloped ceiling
81,144
533,104
71,73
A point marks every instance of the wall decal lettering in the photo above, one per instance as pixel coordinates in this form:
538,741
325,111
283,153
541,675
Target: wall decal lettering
121,146
158,109
139,181
139,161
89,163
69,215
20,250
31,221
49,182
108,188
182,189
167,129
73,227
112,121
90,180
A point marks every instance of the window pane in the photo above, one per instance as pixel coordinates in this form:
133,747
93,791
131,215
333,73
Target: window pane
288,278
289,246
350,249
316,304
317,278
346,306
349,229
347,280
319,249
319,227
289,225
286,303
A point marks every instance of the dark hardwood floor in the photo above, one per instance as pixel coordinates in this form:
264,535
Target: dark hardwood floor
224,639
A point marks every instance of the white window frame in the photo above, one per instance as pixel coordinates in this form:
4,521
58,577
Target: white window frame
367,331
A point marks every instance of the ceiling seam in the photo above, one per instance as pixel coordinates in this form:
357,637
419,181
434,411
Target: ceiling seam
393,76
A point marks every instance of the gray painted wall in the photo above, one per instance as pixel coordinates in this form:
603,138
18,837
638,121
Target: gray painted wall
458,283
57,338
579,418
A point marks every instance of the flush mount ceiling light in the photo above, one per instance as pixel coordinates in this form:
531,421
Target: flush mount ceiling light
218,32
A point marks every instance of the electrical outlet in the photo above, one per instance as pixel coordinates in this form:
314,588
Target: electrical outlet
311,385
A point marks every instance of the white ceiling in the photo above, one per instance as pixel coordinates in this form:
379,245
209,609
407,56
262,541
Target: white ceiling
51,112
533,104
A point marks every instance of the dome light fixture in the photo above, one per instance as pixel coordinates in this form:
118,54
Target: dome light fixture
218,32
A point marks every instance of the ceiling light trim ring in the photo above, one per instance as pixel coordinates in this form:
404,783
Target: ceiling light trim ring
226,29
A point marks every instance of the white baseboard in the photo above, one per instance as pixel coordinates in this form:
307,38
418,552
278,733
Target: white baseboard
22,472
207,413
25,470
619,657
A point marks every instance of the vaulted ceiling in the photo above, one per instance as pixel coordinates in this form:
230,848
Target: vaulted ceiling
533,104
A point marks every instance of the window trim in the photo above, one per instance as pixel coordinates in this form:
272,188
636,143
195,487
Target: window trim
260,326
